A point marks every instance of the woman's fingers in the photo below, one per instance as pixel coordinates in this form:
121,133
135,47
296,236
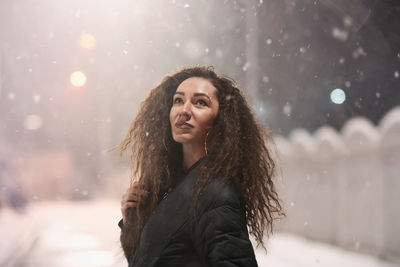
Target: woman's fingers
132,193
136,198
135,193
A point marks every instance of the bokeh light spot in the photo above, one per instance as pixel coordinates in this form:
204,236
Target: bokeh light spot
33,122
338,96
87,41
78,79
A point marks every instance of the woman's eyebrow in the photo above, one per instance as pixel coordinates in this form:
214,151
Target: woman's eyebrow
202,94
195,94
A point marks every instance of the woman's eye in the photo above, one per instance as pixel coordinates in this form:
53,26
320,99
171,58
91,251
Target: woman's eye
177,100
201,102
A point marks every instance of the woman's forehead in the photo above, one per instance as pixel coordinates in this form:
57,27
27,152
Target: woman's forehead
197,85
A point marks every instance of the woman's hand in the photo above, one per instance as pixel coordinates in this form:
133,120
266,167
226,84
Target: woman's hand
131,197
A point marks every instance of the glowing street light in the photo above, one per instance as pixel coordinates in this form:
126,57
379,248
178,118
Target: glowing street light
78,79
87,41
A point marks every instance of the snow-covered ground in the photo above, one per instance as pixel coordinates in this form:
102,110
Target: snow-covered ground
84,234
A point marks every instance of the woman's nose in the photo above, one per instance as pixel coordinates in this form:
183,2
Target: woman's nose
186,111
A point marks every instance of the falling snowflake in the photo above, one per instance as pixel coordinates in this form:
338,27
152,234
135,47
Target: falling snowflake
287,109
246,66
339,34
359,52
347,21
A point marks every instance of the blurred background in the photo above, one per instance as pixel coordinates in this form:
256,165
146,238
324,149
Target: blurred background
322,75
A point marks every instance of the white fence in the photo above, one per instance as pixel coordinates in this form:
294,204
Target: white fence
343,187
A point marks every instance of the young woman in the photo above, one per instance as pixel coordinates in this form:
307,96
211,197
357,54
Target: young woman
203,175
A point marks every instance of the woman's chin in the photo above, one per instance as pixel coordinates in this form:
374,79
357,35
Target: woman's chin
182,140
185,139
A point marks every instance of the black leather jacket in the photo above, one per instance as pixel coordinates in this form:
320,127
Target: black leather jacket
216,235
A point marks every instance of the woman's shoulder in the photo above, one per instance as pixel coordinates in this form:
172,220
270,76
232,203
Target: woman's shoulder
219,193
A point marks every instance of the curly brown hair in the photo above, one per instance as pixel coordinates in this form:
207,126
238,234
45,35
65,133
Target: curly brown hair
236,150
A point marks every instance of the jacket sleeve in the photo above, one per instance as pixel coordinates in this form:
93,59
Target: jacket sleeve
220,235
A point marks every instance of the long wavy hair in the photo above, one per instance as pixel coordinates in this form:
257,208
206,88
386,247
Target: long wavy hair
237,149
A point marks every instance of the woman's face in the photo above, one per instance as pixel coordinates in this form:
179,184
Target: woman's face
194,109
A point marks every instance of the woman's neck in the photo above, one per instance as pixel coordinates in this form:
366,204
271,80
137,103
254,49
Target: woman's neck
191,154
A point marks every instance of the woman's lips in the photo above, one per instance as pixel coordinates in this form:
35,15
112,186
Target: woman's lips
183,125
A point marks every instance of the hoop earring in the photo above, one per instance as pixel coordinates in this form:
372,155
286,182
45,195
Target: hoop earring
205,143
